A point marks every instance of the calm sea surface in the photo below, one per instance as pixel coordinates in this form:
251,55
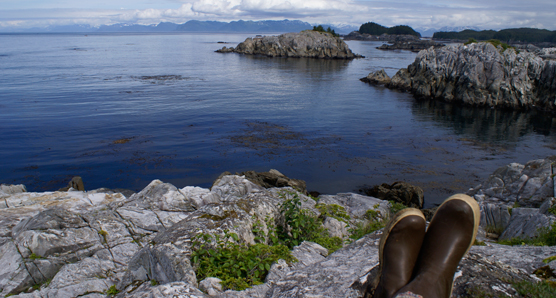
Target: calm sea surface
123,109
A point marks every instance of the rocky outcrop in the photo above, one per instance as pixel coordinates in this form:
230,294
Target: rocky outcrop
414,45
87,244
306,44
481,74
517,200
75,183
274,178
399,192
379,78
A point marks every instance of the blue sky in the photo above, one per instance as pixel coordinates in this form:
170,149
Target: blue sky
495,14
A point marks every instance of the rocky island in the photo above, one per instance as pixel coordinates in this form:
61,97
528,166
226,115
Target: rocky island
305,44
99,243
398,41
480,74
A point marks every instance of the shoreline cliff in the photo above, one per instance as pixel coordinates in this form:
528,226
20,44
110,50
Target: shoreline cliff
480,74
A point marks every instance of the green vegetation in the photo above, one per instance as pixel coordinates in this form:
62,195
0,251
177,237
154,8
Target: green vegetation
547,237
525,289
319,28
333,210
506,35
241,265
112,291
238,265
34,256
154,282
376,29
552,209
363,229
539,289
103,233
494,42
395,207
479,243
375,223
301,225
549,259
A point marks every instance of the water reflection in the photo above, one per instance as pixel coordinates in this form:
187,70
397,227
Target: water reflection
301,65
485,124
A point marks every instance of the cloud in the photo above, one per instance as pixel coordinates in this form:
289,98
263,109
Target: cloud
494,14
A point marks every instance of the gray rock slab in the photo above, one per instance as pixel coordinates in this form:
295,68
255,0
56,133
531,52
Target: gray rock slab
338,275
525,223
357,205
174,289
524,257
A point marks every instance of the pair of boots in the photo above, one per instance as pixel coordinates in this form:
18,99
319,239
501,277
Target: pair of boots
424,262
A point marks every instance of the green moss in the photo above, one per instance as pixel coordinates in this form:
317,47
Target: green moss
549,259
34,256
539,289
333,210
112,291
154,282
479,243
544,272
552,209
372,214
395,207
362,229
103,233
314,198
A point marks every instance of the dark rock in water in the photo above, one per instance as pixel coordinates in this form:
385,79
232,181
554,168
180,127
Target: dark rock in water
75,183
379,78
273,178
225,50
481,74
400,192
414,45
305,44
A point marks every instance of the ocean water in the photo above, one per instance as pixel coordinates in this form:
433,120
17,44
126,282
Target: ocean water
123,109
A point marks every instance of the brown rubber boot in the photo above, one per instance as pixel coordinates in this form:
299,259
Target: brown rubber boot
398,251
450,234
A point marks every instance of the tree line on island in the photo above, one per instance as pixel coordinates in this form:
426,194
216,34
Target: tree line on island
507,35
515,35
320,28
376,29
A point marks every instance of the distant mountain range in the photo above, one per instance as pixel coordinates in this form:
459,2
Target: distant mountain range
267,26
